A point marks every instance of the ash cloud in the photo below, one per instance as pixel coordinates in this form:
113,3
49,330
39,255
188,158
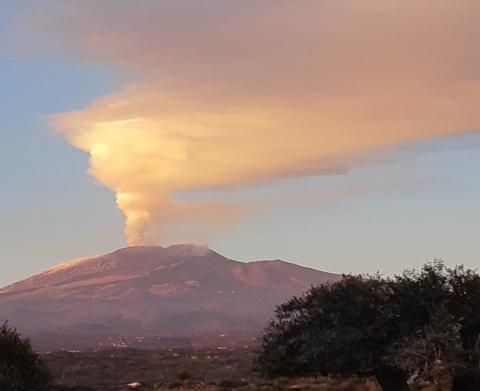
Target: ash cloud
232,93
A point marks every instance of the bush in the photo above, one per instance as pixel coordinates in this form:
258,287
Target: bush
20,367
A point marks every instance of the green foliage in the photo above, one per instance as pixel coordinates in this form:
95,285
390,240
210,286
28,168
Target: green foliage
369,325
20,367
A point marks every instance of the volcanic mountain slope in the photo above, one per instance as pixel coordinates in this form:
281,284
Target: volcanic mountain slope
179,289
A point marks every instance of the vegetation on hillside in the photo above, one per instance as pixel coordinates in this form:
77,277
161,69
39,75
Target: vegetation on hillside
418,324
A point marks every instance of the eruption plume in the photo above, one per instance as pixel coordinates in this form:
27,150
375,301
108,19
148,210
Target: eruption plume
232,93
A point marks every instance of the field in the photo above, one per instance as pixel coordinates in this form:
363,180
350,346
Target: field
213,362
218,368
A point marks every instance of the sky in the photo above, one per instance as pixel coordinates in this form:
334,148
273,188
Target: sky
333,135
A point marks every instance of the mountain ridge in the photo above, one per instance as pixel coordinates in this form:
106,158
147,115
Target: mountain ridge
152,288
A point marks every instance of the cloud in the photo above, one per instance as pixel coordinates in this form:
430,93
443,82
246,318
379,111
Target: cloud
232,93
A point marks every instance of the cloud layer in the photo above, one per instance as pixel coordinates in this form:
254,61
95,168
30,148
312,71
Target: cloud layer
232,93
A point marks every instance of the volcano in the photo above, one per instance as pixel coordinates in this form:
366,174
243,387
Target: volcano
178,289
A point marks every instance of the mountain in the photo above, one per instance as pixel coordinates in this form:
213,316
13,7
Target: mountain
178,289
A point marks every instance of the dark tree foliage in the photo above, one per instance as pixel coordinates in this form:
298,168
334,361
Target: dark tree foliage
465,307
370,325
418,298
342,329
20,367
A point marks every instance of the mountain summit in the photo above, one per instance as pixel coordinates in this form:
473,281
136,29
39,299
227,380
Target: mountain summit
178,289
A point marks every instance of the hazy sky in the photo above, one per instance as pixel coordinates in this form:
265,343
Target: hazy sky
326,133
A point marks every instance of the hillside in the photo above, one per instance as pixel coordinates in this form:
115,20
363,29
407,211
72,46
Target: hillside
179,289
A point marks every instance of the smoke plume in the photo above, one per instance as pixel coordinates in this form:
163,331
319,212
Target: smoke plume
232,93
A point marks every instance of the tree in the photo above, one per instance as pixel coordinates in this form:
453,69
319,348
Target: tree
419,296
20,368
434,352
416,322
464,305
342,329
